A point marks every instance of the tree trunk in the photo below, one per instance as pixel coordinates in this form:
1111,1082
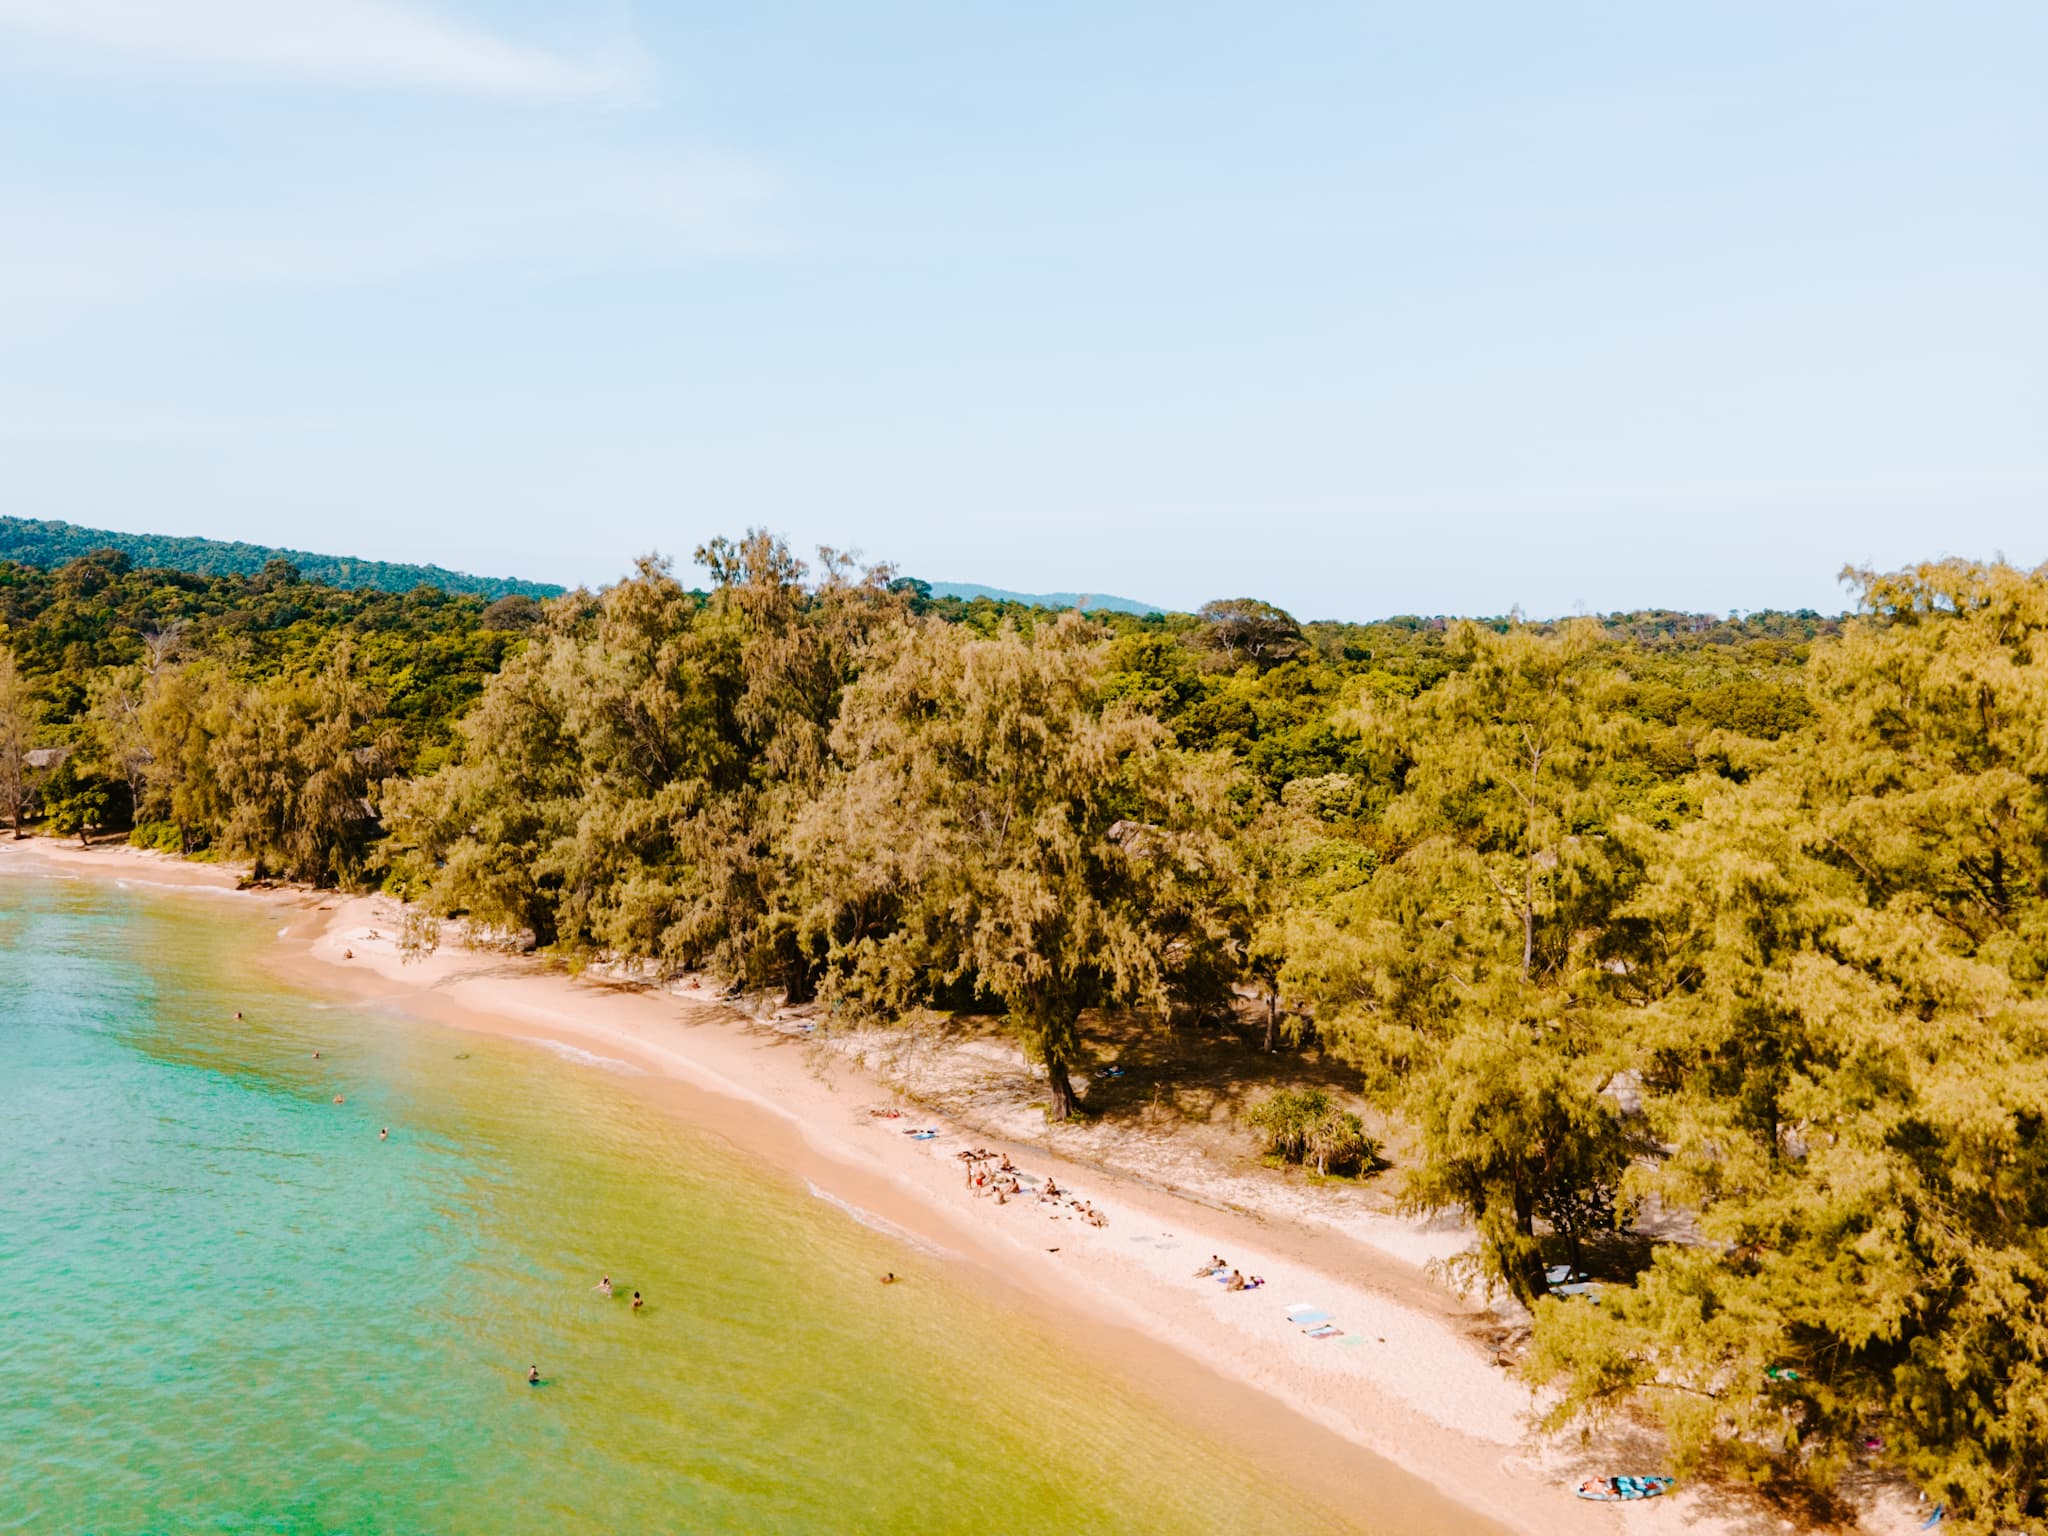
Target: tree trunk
1064,1101
1054,1022
1272,1016
799,983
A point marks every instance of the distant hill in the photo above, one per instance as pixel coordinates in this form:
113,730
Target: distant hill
32,541
1083,600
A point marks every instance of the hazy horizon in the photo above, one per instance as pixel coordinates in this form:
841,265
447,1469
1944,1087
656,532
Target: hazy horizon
1361,310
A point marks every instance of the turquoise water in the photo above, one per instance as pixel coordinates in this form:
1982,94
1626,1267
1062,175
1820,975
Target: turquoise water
227,1306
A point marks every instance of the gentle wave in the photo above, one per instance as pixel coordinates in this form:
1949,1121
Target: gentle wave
584,1058
881,1224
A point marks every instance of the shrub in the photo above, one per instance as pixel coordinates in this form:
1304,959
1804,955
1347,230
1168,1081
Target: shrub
1303,1126
159,835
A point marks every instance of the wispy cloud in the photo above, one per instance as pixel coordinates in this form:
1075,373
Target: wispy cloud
348,42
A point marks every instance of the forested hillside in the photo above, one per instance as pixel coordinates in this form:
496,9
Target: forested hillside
1709,954
32,541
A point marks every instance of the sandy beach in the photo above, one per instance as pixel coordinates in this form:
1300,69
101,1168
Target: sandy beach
1406,1378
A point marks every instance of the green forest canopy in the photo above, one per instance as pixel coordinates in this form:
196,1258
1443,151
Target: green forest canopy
34,541
1711,954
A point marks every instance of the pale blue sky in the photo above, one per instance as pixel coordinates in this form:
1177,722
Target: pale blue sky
1364,308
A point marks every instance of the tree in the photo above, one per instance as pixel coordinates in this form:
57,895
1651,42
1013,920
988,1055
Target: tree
1472,975
183,710
75,799
994,825
628,785
17,725
295,778
1243,629
117,723
1506,759
1844,1054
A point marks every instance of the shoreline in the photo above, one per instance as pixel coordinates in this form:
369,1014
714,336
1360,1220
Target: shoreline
1401,1414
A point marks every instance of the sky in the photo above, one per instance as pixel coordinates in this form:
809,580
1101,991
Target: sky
1361,308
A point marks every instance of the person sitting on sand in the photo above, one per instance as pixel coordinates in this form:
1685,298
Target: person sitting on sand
1236,1281
1211,1267
604,1286
1008,1166
348,954
1052,1190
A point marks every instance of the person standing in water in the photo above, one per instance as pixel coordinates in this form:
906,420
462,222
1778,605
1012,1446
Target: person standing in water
384,1133
533,1375
636,1301
604,1286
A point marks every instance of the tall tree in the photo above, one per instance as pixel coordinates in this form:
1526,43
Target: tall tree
997,826
297,778
1471,975
1844,1052
17,725
628,785
183,709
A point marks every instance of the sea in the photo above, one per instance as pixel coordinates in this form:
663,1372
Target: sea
228,1304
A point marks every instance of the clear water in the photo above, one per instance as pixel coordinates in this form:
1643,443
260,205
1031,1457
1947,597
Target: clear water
226,1306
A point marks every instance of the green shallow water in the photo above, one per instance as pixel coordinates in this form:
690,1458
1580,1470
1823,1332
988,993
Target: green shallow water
226,1306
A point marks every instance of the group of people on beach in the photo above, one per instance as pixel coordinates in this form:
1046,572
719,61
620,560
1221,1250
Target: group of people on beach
1006,1181
1238,1280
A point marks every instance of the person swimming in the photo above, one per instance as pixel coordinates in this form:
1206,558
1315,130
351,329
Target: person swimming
383,1133
238,1017
339,1099
604,1286
889,1278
